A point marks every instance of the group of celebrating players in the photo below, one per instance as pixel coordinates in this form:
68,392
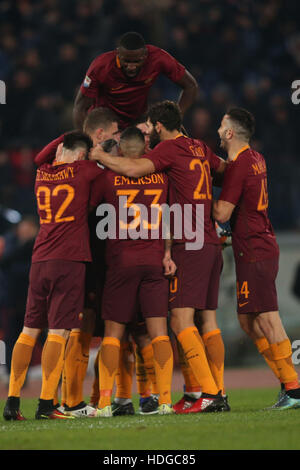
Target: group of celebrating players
124,290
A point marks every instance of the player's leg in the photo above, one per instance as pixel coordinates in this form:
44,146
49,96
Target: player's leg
182,324
21,358
145,370
214,345
35,320
99,327
192,287
206,322
192,388
153,299
75,366
77,350
281,349
108,365
65,305
119,305
95,392
256,290
52,365
250,326
163,360
122,404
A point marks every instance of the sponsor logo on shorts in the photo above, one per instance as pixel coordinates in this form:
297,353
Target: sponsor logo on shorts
243,304
172,298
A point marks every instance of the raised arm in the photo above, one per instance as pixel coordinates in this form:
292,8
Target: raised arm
81,106
47,154
189,91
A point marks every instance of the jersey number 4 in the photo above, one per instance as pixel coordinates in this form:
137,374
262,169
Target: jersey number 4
44,196
263,197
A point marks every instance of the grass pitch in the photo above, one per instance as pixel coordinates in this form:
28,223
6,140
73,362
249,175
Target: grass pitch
245,427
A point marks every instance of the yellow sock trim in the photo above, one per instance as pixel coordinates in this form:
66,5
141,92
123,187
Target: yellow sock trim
211,333
26,339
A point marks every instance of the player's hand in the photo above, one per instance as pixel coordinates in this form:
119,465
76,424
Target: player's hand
96,153
169,266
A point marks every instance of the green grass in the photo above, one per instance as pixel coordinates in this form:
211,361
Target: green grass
245,427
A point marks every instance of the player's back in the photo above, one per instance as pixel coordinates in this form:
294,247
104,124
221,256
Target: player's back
63,192
188,163
127,195
252,230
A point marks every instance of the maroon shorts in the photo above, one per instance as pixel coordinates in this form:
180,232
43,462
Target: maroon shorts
256,288
129,290
197,279
55,295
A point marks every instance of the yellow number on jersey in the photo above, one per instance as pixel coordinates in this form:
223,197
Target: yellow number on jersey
45,191
131,194
263,198
46,205
205,174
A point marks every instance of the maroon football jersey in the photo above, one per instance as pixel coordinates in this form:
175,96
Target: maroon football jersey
188,164
63,193
245,186
127,97
151,191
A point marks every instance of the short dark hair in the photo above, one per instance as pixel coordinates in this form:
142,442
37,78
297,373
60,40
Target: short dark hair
244,120
75,139
132,41
140,120
167,113
132,133
99,117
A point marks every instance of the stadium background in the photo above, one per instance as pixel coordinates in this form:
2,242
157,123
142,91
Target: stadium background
244,53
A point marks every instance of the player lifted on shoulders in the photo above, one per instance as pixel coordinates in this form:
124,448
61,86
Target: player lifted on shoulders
121,80
244,200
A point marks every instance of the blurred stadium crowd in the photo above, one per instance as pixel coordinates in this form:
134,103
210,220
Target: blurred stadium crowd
245,53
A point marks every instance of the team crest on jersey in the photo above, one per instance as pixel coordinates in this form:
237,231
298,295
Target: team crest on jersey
87,82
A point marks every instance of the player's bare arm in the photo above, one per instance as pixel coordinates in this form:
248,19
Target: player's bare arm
81,107
122,165
189,91
222,210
